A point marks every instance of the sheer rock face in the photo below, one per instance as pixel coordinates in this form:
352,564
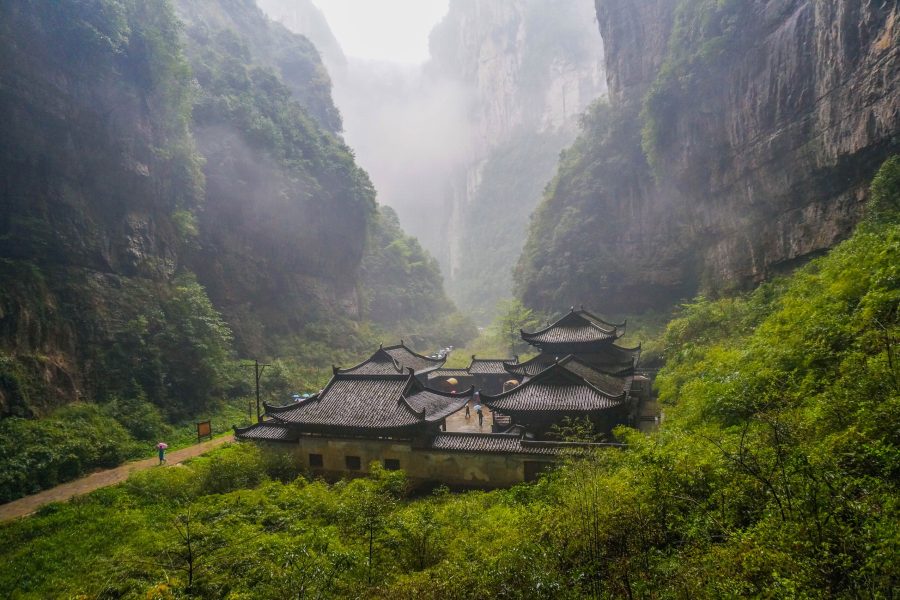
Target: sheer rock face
498,48
768,132
635,38
774,151
531,67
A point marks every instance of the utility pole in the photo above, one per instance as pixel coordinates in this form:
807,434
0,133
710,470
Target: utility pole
258,369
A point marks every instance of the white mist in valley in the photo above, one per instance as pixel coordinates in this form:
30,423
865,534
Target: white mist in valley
407,125
463,144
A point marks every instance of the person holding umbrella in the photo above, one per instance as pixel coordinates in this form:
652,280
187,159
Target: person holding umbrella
478,410
161,449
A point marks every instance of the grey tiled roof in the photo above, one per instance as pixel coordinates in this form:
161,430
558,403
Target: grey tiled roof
488,366
577,327
555,389
409,359
355,402
266,432
370,402
490,443
438,373
500,443
438,405
611,384
380,363
530,367
610,359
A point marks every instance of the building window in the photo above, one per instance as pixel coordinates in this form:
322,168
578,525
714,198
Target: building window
392,464
353,463
315,461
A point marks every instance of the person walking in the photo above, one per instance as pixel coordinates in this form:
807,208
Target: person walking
467,409
480,414
161,449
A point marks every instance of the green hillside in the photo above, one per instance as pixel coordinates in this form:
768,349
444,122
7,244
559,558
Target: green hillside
774,474
174,197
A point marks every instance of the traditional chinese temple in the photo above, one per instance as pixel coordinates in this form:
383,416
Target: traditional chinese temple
587,336
580,373
393,408
566,388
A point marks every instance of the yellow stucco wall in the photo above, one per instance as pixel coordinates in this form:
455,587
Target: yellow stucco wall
452,468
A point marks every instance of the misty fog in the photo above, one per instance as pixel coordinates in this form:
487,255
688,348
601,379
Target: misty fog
408,126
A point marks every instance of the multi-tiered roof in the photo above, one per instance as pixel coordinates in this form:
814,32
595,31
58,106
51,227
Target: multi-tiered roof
585,335
566,388
577,328
580,372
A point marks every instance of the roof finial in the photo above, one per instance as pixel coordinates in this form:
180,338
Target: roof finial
334,369
381,346
572,309
473,357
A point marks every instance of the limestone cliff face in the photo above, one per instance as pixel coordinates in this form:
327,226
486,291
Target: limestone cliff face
635,38
532,67
774,146
762,123
530,63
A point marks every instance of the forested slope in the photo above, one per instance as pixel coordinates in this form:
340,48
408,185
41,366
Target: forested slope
174,195
773,474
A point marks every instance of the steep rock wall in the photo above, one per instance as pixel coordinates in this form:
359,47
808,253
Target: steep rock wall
173,194
761,124
532,66
92,141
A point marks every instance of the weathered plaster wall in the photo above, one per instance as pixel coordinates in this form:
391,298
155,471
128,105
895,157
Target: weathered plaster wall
459,469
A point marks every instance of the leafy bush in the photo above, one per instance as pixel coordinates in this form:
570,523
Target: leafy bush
36,454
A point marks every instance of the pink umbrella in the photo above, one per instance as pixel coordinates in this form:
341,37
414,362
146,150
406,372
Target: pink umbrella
162,446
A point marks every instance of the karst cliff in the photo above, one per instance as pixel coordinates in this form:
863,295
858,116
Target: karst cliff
737,143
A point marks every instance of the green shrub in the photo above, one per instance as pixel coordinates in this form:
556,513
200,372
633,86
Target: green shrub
36,454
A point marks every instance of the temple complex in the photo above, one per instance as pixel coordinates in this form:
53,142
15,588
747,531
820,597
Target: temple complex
580,373
394,408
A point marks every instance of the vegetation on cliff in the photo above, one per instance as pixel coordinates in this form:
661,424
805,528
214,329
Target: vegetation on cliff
774,474
706,33
572,255
753,129
174,196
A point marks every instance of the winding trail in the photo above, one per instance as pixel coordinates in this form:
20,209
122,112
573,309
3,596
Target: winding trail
65,491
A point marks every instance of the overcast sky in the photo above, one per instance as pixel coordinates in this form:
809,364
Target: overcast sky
391,30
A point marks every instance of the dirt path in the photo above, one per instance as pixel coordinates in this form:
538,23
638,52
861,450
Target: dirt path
29,504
